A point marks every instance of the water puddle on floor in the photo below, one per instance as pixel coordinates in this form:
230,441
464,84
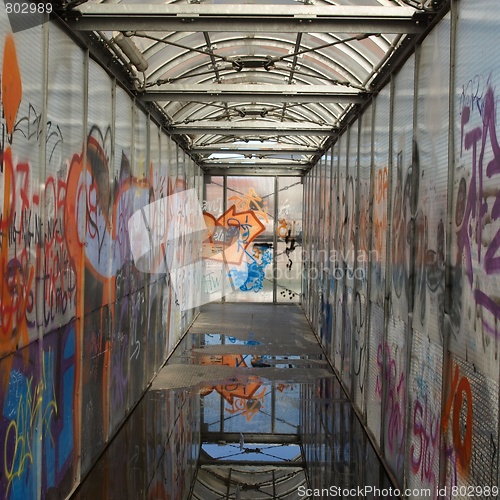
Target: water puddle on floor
234,418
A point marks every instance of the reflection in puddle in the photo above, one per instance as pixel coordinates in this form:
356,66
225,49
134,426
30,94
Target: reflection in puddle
276,423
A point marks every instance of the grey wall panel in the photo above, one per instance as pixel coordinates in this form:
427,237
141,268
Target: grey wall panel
334,244
361,272
476,226
374,383
380,195
405,180
97,198
430,163
430,167
63,153
394,398
339,271
349,255
425,394
475,230
22,176
397,342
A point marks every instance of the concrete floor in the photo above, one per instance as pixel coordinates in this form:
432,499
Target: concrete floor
246,408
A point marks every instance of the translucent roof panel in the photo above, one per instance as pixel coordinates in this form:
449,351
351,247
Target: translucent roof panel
220,71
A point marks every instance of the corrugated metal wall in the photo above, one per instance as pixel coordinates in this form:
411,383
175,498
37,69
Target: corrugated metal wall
415,326
82,331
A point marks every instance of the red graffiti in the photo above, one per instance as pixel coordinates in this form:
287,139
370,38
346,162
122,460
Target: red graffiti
453,410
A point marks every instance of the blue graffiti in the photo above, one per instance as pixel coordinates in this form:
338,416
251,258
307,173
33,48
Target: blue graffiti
250,341
22,436
58,393
253,278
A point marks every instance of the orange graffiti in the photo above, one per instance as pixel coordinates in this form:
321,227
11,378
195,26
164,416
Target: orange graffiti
17,276
454,402
283,228
230,234
243,397
12,87
72,217
250,201
381,186
249,406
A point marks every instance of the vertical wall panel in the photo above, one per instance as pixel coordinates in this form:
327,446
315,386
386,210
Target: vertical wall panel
122,174
214,272
475,236
378,262
339,272
157,183
404,182
65,136
138,197
396,361
166,292
380,195
157,297
173,308
315,246
63,262
121,259
322,257
253,277
333,259
21,184
430,167
361,272
97,202
308,249
327,288
98,194
312,275
350,248
289,232
475,222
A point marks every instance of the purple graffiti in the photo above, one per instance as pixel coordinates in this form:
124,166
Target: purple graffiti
473,212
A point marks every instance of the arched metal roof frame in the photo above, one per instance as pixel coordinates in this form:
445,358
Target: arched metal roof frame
353,50
212,139
235,111
192,71
315,112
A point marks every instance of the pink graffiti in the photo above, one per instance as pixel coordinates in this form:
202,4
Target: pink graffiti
425,452
394,381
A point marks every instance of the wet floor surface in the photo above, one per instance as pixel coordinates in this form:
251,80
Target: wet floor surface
246,408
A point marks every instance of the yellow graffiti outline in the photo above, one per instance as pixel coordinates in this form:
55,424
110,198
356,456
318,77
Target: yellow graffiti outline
31,409
20,441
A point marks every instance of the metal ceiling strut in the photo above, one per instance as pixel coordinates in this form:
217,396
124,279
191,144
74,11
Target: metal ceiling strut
237,18
253,127
204,92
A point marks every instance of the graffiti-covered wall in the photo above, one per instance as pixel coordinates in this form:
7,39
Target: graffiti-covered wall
254,237
82,331
408,307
